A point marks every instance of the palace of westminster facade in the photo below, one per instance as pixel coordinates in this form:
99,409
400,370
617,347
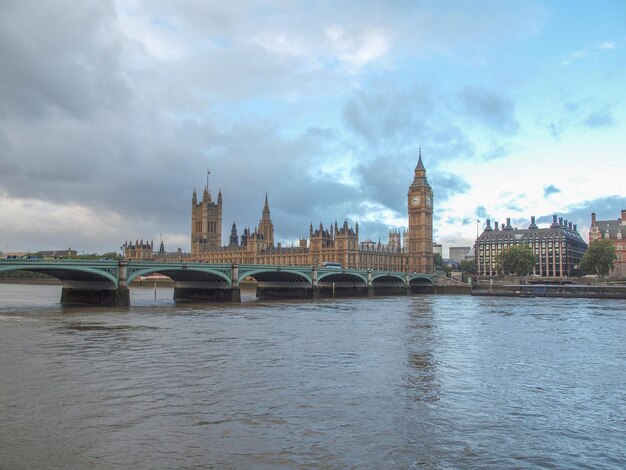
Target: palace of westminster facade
410,251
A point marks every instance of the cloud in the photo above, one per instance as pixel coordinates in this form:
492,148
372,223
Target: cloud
607,45
111,111
585,113
493,110
550,190
357,51
606,208
395,117
599,118
56,64
574,56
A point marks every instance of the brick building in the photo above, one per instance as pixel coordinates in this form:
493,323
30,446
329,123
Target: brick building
614,230
558,248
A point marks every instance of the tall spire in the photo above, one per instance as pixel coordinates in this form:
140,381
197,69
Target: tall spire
266,209
420,165
420,173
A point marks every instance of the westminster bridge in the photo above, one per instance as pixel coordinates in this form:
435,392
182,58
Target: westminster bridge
105,282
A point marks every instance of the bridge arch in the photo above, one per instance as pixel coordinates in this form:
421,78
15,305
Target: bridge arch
70,274
341,277
275,274
183,274
420,279
421,284
388,278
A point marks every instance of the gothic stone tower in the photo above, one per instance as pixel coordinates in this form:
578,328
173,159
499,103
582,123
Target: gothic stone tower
420,222
266,227
206,222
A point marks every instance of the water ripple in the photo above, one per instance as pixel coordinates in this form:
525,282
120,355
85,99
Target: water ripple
414,382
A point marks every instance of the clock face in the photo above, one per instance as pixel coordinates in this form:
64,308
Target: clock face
415,200
429,201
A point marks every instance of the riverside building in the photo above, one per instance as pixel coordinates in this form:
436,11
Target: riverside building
411,251
558,249
614,230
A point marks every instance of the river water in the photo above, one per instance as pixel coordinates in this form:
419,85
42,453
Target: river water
396,382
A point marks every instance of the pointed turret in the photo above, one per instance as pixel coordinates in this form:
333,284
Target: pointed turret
234,238
266,227
419,180
420,165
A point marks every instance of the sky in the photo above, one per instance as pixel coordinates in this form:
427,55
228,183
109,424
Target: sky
113,111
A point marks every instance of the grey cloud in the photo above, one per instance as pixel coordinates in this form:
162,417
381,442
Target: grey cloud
493,110
513,207
459,221
390,117
497,151
447,185
398,119
600,118
550,190
587,114
446,141
381,178
54,62
606,208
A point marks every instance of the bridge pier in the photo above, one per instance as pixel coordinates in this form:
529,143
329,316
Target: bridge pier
287,293
203,294
119,297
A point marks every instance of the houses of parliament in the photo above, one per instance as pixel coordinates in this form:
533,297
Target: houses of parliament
410,251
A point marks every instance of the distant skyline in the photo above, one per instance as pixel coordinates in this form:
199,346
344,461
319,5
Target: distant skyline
111,113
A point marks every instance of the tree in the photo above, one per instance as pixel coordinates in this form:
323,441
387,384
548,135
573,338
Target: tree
438,260
599,258
468,266
517,259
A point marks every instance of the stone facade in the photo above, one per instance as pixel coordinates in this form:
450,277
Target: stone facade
206,222
139,250
411,251
614,230
420,203
558,248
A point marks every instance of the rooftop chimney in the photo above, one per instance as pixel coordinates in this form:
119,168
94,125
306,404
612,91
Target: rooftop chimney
624,215
554,222
560,220
496,223
593,218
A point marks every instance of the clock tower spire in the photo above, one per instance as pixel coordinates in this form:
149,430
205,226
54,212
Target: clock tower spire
420,246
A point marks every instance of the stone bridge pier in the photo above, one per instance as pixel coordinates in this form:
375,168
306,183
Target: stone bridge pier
94,291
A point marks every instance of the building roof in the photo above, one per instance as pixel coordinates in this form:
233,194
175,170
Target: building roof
612,226
509,235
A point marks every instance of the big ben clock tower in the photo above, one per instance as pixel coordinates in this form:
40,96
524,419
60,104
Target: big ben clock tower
420,248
